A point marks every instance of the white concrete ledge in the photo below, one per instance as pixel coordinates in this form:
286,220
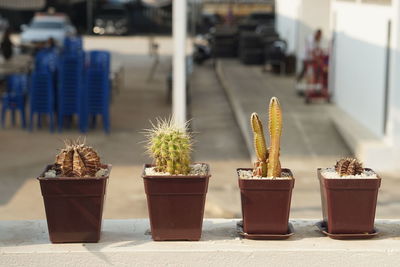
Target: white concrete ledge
127,243
370,149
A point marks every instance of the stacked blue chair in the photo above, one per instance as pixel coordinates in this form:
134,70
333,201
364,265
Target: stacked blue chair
14,99
73,44
42,96
46,60
70,85
100,59
97,90
42,87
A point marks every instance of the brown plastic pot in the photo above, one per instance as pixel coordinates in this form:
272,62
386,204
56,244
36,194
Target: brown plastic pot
176,205
348,205
266,204
74,207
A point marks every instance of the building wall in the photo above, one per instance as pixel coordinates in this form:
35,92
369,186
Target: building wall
394,96
297,19
287,13
360,61
313,14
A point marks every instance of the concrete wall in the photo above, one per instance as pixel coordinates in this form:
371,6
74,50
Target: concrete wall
297,19
394,95
360,48
127,243
313,14
287,12
364,67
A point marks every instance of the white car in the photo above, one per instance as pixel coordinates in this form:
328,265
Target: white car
45,26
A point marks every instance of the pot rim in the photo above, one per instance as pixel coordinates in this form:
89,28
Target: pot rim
41,178
320,175
144,176
250,169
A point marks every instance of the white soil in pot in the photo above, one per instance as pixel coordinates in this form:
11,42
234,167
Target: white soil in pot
198,169
102,172
248,174
330,173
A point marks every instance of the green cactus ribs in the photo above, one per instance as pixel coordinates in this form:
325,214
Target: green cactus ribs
170,146
349,166
268,163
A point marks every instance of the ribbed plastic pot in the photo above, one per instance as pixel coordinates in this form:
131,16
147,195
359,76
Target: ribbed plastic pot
348,205
266,204
175,205
74,207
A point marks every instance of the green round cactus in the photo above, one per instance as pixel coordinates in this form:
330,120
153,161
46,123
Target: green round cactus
170,146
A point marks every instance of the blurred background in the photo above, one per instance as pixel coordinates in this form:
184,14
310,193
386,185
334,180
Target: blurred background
104,69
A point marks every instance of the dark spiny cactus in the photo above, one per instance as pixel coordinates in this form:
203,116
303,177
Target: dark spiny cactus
349,166
77,160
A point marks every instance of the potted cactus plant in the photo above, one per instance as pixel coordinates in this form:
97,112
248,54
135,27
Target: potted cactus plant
73,190
266,189
175,188
349,194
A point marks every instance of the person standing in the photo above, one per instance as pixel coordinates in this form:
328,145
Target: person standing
313,42
7,45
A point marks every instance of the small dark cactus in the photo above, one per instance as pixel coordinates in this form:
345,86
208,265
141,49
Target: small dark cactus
77,160
349,166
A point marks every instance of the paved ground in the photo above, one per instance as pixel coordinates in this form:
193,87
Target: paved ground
219,142
309,138
23,155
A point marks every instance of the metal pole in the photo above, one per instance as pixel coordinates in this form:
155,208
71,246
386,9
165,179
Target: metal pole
89,16
193,18
179,62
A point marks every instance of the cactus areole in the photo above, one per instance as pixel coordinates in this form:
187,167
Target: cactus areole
268,163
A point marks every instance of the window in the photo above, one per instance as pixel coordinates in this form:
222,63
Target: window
46,25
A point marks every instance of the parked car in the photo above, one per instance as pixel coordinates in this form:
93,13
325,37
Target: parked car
45,26
112,20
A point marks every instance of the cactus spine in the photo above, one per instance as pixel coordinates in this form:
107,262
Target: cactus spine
170,146
349,166
77,160
260,166
268,164
275,131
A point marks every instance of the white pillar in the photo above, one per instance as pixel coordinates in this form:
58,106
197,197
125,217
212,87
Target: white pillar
179,62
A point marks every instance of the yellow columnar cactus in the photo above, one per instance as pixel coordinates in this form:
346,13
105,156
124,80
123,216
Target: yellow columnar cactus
260,166
275,131
268,164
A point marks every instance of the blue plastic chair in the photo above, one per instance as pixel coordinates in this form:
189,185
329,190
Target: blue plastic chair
15,98
99,59
97,98
73,44
46,60
42,97
70,84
